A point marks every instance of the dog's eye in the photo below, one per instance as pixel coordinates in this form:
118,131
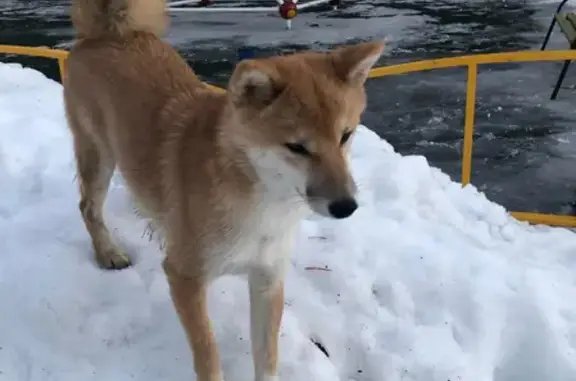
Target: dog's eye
345,136
297,148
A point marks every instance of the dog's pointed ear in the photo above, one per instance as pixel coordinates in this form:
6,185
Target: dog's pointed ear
353,63
254,83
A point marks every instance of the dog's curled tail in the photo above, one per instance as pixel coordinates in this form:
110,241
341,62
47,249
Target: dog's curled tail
101,18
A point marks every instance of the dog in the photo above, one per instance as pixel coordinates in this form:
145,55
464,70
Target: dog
226,176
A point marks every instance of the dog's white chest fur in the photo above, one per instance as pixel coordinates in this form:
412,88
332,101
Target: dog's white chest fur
263,239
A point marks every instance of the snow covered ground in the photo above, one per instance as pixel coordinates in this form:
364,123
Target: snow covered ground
427,281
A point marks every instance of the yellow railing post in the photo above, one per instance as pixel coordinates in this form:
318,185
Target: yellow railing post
61,66
469,117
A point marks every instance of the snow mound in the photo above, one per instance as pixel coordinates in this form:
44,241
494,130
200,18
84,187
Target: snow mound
426,281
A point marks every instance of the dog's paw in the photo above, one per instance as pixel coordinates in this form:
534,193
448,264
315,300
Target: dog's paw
113,259
267,378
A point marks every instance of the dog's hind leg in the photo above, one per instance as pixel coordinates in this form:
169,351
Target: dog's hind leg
95,166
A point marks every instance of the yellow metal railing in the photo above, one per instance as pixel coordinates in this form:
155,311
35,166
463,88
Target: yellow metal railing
38,51
60,55
471,61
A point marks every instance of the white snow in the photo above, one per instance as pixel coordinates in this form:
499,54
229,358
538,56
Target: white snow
428,281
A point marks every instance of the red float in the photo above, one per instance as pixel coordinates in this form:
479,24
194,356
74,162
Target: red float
288,10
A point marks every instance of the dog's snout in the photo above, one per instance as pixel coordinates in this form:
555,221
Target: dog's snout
342,208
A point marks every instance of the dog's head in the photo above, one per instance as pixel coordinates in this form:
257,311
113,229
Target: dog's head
297,115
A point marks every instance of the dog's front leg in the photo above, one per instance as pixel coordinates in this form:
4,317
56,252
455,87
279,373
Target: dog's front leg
189,298
266,308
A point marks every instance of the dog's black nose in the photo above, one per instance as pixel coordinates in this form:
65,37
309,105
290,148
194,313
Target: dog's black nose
342,208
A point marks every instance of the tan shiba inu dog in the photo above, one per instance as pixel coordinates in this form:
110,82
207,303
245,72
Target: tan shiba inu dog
227,177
